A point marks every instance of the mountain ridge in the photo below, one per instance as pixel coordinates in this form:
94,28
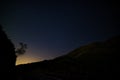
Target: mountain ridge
93,61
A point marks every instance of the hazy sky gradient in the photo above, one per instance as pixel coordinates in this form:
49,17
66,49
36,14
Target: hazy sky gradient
53,28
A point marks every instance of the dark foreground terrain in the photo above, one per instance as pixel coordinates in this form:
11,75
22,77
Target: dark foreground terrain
95,61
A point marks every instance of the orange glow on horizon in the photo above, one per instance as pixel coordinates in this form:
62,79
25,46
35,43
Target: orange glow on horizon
26,59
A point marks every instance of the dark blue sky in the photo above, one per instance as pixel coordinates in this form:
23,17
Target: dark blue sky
53,28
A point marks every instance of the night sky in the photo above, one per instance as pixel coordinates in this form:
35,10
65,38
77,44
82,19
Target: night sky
52,28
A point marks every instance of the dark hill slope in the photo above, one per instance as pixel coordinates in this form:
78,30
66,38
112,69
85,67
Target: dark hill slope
95,61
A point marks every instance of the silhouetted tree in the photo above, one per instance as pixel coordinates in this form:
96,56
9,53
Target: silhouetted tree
22,49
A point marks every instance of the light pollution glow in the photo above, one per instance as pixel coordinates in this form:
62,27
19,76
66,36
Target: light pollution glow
24,59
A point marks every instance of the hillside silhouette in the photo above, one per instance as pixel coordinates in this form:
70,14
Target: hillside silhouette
95,61
7,57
